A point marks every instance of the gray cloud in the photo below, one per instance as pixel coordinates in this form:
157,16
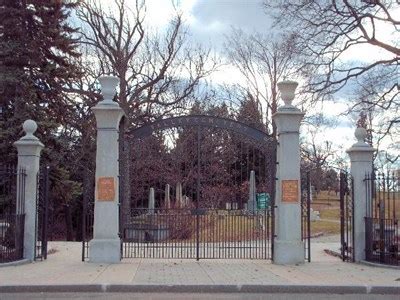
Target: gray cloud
215,18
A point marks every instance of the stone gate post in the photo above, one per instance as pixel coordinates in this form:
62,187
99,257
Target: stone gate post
361,157
288,245
29,148
105,247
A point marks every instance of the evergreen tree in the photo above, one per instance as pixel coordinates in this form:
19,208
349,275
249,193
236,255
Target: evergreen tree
38,55
36,64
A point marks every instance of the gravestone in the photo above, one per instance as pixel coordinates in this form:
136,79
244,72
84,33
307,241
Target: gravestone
167,199
314,215
252,203
179,197
151,201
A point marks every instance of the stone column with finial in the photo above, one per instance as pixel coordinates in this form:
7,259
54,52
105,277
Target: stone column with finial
29,148
106,245
288,245
361,158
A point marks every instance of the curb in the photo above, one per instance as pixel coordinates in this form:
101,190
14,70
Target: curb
266,289
15,263
378,265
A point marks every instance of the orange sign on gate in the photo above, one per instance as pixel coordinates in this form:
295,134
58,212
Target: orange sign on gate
290,191
105,189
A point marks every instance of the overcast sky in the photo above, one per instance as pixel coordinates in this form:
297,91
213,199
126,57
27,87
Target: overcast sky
209,21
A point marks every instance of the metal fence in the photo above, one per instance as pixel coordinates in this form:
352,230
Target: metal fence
197,234
87,226
305,215
346,216
42,212
382,219
12,217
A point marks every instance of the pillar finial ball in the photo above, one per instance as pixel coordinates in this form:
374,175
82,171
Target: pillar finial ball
287,89
29,127
361,134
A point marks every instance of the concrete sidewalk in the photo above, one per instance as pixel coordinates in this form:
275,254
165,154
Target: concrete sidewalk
326,273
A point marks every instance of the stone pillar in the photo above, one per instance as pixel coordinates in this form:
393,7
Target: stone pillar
29,148
288,246
106,245
361,157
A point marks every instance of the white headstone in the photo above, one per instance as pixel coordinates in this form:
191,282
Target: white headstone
167,199
179,197
252,203
151,201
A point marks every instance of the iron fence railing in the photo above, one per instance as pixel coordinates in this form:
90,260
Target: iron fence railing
346,216
197,234
42,212
12,217
305,215
382,219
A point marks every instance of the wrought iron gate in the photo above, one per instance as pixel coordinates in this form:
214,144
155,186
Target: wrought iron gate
346,217
201,187
12,213
382,225
305,215
42,209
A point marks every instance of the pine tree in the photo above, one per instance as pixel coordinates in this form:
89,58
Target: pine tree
36,64
38,55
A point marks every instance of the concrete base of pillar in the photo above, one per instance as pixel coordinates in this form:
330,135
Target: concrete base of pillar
105,251
288,252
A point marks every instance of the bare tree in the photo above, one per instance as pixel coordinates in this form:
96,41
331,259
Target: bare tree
317,155
326,31
263,61
158,73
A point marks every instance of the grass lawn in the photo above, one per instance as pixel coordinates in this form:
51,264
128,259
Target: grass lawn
328,205
325,227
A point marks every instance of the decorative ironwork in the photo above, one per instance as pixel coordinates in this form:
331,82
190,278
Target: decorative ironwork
12,213
42,212
382,218
346,217
197,234
305,216
206,163
204,121
198,169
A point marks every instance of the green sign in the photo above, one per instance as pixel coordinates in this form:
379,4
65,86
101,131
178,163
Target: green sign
263,200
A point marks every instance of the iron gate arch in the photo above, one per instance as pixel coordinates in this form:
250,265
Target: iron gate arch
197,225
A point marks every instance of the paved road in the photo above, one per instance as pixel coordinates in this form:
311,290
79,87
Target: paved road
182,296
